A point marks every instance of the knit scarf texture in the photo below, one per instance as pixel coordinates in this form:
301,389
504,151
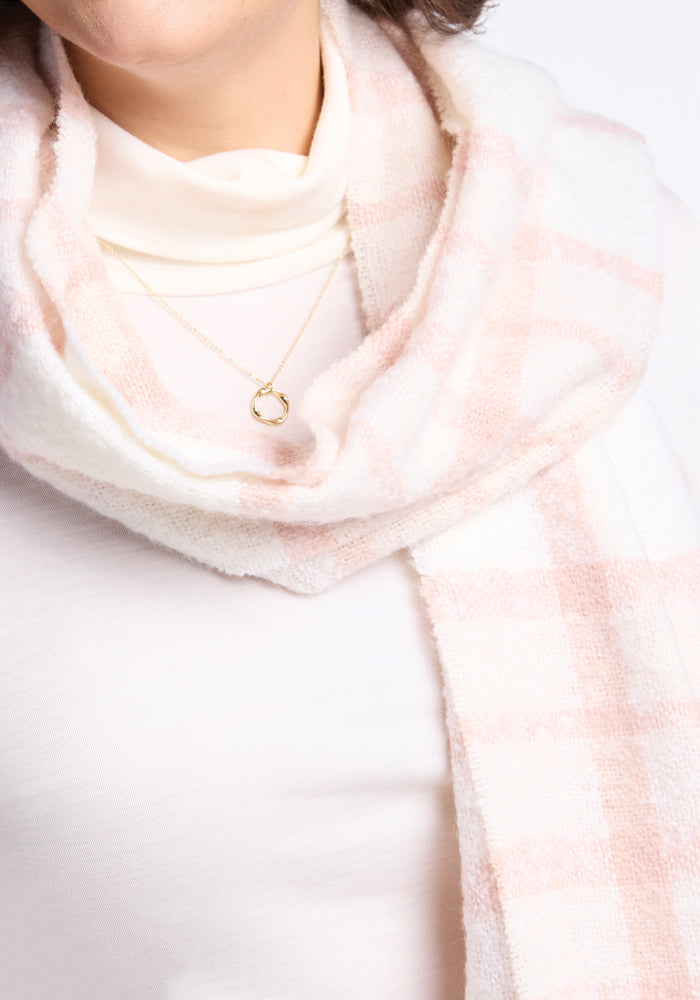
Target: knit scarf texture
491,423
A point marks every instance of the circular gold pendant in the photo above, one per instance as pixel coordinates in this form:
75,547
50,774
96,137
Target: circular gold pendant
267,390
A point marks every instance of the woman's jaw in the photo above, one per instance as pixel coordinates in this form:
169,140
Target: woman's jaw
193,78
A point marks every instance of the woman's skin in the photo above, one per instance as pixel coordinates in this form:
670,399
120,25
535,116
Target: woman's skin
195,77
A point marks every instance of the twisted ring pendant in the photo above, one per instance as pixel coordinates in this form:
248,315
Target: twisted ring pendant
267,390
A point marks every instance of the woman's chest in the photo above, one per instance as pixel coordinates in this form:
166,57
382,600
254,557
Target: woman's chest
211,783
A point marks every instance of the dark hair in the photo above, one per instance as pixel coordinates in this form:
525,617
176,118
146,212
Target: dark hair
449,16
444,15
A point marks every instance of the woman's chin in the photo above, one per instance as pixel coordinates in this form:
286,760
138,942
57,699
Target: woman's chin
135,45
138,32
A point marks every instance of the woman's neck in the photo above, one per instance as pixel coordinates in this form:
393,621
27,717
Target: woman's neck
258,88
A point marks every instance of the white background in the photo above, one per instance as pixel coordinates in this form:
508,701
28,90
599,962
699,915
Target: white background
637,61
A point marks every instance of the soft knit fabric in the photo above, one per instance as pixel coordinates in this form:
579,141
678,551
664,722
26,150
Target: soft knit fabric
489,423
215,789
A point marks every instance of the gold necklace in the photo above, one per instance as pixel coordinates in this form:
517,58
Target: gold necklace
266,387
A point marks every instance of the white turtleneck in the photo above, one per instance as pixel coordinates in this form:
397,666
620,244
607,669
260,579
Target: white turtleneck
241,244
228,222
213,789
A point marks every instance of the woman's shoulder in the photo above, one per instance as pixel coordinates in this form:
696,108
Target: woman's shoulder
518,106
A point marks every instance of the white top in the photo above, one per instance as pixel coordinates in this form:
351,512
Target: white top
211,788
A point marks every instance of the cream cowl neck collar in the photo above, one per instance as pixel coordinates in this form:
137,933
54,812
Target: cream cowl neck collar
229,221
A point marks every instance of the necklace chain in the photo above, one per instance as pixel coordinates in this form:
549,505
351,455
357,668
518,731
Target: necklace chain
267,385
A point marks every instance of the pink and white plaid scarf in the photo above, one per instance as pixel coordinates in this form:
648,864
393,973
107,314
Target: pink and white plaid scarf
508,255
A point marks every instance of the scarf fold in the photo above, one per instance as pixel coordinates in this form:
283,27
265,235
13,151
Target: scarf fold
508,255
